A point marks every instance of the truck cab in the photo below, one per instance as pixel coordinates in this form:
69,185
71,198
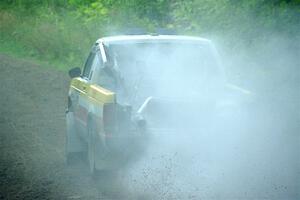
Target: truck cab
134,85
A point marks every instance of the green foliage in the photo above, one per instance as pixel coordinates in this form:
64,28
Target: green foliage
246,20
63,30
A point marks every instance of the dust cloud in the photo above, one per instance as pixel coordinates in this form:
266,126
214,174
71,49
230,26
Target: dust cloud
213,137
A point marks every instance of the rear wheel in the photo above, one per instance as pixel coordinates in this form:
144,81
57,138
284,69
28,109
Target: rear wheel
96,153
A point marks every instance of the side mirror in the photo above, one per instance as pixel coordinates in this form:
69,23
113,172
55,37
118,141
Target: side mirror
75,72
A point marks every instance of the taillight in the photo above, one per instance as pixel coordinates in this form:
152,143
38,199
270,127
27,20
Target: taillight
116,119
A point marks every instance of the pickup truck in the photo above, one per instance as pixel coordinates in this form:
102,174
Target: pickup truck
133,86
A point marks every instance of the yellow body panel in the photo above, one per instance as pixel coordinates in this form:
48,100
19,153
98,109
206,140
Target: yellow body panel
93,91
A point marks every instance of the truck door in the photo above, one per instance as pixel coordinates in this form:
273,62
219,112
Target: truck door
82,85
91,93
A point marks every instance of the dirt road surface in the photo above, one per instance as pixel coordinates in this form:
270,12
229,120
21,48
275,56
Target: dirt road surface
32,136
263,165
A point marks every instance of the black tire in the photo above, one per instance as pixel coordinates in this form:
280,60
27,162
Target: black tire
91,149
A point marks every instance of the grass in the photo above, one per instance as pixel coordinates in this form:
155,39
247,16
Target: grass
12,48
62,38
57,40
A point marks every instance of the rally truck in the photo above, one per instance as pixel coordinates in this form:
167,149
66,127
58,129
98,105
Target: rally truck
134,86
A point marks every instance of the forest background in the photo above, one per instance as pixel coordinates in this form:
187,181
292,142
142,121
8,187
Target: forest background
257,39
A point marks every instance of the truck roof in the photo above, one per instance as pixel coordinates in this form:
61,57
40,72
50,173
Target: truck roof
149,38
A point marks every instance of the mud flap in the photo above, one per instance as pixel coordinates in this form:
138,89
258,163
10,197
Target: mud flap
73,142
101,154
